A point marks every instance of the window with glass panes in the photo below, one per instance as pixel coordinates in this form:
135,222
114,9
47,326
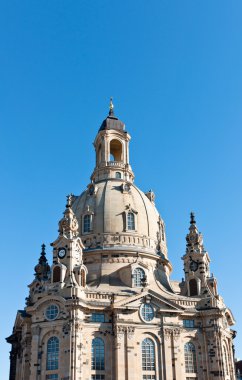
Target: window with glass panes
52,361
130,221
148,355
138,276
147,312
53,376
98,354
190,358
188,323
87,223
98,317
98,377
52,312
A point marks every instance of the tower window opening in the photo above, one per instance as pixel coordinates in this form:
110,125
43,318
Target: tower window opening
193,287
118,175
190,358
148,355
56,274
115,150
98,354
53,376
52,361
87,227
138,276
130,221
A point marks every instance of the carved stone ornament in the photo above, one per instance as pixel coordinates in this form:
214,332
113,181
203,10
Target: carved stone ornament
68,225
171,332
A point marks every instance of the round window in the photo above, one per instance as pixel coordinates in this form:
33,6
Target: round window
52,312
147,312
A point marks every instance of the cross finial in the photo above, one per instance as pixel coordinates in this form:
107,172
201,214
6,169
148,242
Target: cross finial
111,107
43,249
69,200
192,218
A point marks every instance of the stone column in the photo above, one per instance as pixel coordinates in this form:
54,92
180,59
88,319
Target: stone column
119,347
168,357
130,352
35,369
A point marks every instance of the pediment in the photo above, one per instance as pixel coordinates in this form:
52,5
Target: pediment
157,300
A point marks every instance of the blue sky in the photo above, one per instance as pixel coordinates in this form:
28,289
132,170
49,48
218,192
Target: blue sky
174,71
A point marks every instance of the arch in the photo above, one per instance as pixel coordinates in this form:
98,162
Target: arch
138,277
148,355
52,358
116,150
98,354
130,221
56,274
190,358
193,288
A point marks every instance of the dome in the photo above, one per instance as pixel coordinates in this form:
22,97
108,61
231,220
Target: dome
112,122
115,213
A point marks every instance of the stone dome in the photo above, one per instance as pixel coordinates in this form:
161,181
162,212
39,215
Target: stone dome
108,203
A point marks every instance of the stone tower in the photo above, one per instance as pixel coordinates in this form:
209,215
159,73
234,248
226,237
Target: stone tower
106,309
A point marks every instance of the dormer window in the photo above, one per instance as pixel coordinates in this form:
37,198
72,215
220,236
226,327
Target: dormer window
87,223
130,221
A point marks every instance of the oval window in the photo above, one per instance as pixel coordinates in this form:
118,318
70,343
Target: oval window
147,312
52,312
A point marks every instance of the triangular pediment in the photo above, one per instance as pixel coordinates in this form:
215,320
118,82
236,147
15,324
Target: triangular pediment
160,302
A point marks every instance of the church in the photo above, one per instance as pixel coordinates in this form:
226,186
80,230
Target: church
105,308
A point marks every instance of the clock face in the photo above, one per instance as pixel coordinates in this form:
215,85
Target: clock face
61,253
193,266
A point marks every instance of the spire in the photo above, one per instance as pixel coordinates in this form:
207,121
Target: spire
192,218
68,225
194,238
42,258
111,107
42,268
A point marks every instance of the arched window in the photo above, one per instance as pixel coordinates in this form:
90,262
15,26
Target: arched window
56,274
98,354
83,278
118,175
190,358
193,287
87,223
138,276
52,360
148,355
130,221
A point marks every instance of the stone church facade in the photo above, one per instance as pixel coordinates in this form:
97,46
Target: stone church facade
106,309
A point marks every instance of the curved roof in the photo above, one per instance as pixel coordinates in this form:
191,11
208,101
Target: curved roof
110,203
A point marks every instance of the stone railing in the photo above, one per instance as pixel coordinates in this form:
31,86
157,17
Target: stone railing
99,296
118,164
186,302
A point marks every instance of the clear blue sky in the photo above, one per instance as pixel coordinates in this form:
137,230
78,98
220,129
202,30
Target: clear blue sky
174,69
